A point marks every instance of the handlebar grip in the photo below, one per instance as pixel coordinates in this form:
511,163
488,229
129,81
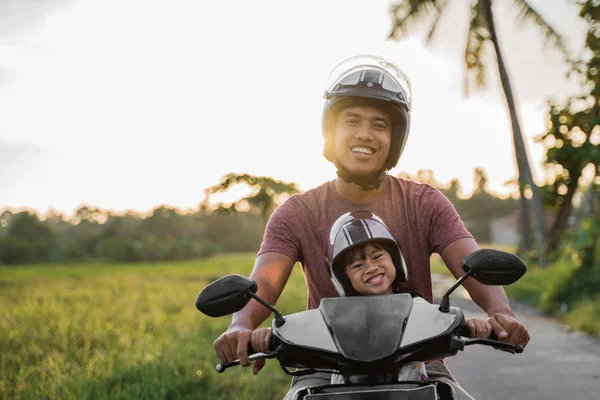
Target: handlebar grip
223,366
518,348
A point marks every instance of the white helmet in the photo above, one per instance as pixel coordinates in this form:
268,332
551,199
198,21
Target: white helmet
368,80
354,229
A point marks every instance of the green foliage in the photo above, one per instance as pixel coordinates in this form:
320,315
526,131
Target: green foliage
573,136
539,286
265,194
583,316
553,290
165,235
101,331
27,239
585,252
93,233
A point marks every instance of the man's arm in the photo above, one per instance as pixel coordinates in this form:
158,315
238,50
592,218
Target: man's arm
271,272
492,299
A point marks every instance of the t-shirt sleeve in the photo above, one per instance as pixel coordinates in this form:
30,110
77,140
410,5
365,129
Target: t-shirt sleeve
445,224
279,234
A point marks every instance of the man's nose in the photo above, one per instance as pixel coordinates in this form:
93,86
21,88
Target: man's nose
363,132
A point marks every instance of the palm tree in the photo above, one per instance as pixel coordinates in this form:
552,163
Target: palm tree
264,196
481,30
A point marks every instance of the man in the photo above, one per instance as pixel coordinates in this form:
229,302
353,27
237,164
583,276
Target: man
366,120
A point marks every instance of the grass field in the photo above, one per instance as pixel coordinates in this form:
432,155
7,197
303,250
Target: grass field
97,331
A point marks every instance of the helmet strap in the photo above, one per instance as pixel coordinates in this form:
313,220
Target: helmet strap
365,182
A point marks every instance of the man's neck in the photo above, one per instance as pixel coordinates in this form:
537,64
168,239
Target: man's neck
354,193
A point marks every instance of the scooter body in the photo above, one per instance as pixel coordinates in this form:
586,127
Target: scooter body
367,340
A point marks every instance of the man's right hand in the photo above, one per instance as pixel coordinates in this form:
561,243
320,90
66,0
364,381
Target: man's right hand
233,344
271,272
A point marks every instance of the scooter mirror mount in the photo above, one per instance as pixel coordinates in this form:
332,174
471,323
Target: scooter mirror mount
490,267
230,294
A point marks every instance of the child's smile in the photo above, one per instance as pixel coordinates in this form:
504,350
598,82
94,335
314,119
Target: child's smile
371,270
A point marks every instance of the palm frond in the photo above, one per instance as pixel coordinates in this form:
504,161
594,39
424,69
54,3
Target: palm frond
407,13
441,6
526,13
478,35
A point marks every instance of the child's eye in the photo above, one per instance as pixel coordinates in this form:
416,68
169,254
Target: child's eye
377,256
355,266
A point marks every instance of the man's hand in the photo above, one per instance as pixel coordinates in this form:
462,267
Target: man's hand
509,330
233,344
271,272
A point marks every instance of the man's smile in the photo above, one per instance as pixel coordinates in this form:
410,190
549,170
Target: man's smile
363,150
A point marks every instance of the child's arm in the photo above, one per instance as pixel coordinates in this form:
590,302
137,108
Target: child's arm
260,339
479,328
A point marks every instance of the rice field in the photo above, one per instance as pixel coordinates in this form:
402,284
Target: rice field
99,331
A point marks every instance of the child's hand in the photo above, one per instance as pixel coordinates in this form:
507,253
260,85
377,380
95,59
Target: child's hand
478,328
260,340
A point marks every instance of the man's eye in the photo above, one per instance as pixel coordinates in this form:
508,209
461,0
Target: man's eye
380,126
351,121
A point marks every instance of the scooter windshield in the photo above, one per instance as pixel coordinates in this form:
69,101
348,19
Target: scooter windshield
367,328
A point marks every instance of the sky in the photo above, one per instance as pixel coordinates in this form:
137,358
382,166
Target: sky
129,104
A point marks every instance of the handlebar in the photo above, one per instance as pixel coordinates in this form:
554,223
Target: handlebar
223,366
492,340
461,341
460,338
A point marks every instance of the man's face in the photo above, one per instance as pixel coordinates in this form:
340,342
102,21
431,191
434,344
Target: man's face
362,139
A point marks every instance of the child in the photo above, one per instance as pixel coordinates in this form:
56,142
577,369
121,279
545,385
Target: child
365,259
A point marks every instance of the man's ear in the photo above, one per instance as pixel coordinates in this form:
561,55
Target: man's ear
329,147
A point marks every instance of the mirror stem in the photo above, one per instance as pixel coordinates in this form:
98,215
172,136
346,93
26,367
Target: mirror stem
445,302
279,320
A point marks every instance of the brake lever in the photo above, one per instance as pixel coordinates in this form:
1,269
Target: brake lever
466,341
253,357
495,343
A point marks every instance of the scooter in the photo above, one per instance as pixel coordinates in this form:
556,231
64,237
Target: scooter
368,339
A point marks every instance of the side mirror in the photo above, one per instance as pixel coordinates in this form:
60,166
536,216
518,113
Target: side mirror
490,267
226,295
494,267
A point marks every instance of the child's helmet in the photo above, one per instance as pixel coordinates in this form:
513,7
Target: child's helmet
354,229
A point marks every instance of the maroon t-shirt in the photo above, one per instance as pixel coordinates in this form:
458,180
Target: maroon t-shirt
419,216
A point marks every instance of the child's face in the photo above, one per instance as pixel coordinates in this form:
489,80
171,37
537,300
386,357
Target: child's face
371,270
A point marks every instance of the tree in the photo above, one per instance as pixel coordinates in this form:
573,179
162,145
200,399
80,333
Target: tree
265,194
28,240
482,29
573,137
480,179
5,222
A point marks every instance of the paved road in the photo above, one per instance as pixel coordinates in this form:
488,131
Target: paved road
556,364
